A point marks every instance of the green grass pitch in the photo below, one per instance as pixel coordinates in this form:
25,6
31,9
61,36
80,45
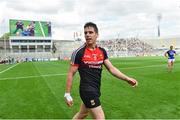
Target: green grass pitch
35,90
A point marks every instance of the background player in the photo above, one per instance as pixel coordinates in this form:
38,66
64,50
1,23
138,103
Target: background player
170,55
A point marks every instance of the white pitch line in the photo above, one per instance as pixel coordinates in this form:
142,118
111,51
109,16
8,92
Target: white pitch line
36,76
9,68
66,73
165,65
142,67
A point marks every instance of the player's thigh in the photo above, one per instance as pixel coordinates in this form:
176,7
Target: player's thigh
83,112
83,109
97,112
90,99
173,61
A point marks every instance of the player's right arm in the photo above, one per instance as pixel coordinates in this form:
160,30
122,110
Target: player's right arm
71,72
75,62
166,54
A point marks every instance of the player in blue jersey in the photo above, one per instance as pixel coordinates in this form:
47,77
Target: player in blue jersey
170,55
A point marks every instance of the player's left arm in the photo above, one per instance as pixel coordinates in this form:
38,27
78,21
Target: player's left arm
175,53
117,73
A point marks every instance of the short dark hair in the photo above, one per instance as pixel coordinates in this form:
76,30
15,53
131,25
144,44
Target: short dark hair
91,24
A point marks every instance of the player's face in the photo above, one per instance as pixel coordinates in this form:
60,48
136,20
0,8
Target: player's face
171,47
90,35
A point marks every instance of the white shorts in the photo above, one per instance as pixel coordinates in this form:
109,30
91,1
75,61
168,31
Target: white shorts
171,60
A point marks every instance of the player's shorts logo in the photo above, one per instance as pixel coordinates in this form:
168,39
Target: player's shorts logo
92,102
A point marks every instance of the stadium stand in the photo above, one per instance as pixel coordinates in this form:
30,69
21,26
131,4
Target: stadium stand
126,47
42,47
63,49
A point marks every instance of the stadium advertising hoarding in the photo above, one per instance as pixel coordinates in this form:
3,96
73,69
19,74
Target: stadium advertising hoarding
30,28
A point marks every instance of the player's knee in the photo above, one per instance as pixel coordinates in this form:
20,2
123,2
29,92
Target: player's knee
80,115
83,114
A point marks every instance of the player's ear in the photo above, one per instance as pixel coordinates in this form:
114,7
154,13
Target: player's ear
97,35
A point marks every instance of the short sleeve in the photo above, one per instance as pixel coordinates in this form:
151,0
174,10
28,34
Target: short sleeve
75,58
105,53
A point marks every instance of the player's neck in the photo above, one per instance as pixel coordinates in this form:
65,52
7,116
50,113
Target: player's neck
91,46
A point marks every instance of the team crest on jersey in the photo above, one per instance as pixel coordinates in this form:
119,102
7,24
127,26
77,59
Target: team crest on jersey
101,56
92,102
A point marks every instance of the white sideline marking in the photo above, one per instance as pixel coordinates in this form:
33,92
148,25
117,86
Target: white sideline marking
33,76
8,68
66,73
143,66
